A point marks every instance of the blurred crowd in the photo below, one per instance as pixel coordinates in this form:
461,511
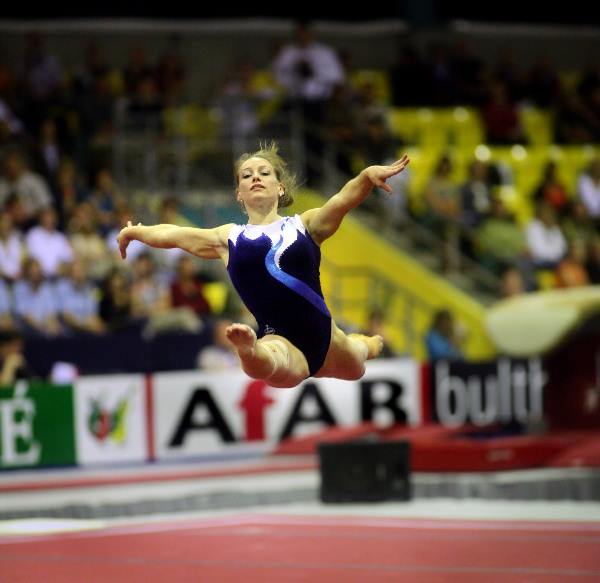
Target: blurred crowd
62,208
558,247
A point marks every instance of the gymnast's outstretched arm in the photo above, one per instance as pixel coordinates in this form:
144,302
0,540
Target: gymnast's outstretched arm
205,243
324,221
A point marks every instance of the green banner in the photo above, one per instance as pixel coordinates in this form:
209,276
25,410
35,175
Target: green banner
37,426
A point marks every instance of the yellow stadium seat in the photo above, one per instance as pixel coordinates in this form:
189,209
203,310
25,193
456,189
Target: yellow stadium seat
216,295
538,125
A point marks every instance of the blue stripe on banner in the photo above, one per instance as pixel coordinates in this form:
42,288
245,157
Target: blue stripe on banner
293,283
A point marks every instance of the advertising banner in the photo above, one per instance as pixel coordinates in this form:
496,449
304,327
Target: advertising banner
502,391
36,426
198,412
110,413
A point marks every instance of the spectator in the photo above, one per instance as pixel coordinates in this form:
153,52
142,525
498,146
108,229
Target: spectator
220,355
545,240
500,241
588,188
115,305
27,192
543,85
572,121
146,106
49,150
78,301
409,65
501,117
42,72
105,200
239,104
13,366
36,304
571,271
136,70
124,214
512,283
476,196
551,189
309,71
12,250
442,198
170,71
48,245
187,289
7,322
376,326
69,191
87,243
577,225
151,302
467,72
443,339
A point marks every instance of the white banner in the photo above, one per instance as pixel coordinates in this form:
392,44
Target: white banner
199,413
110,419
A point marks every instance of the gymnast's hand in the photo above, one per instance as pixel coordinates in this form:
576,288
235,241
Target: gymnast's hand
379,174
124,237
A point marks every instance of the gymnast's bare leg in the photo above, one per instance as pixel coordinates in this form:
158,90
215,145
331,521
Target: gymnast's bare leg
348,353
272,358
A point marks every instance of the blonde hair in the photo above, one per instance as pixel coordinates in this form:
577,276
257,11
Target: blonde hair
270,153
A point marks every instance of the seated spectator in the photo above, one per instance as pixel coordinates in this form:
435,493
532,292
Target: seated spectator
27,192
551,189
501,117
166,259
571,121
443,208
105,200
543,84
49,151
13,366
78,302
48,245
151,302
476,195
36,304
576,223
220,355
124,214
7,322
443,340
500,241
588,189
115,304
187,289
376,326
12,250
512,283
545,240
87,243
571,271
69,191
146,106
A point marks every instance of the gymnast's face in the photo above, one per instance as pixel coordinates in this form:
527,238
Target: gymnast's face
257,182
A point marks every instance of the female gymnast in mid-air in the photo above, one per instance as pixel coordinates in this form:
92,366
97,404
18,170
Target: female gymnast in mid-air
273,263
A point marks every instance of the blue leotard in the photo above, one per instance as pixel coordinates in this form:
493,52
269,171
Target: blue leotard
275,270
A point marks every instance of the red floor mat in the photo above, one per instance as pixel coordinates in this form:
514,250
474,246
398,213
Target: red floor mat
278,549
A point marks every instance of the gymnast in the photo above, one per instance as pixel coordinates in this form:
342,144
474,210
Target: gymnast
273,263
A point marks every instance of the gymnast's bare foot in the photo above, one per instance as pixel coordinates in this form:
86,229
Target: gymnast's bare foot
375,345
242,337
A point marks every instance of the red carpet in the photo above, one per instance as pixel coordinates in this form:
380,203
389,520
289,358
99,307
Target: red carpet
324,549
